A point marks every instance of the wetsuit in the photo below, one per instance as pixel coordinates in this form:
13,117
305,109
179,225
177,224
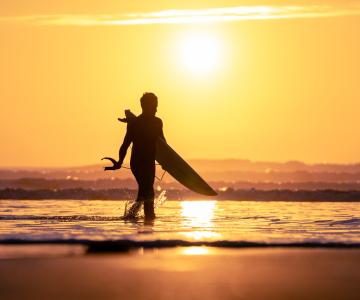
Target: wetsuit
143,132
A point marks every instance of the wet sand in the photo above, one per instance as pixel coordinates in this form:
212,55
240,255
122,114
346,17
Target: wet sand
180,273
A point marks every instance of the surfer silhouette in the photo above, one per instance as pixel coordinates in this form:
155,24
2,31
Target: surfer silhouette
143,132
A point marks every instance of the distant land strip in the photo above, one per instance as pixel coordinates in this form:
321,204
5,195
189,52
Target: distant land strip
130,183
179,194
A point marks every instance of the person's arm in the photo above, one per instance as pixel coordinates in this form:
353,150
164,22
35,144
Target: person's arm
122,152
125,145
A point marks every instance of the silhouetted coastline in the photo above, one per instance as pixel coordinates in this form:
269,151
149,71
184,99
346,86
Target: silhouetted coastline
233,179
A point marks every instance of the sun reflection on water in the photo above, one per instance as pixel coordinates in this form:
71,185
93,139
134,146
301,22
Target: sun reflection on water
195,251
198,218
198,213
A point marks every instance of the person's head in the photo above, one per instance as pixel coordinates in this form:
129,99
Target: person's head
149,103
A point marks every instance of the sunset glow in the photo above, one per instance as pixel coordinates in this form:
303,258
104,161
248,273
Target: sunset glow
265,82
200,53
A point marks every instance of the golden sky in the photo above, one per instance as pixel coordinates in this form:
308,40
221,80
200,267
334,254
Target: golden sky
263,80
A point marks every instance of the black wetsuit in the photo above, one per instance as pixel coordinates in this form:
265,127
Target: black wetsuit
143,132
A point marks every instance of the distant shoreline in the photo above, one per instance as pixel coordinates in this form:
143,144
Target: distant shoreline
327,195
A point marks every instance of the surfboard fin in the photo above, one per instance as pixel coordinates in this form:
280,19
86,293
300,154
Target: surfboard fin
115,165
124,120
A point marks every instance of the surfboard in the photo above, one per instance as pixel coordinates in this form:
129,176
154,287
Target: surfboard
176,166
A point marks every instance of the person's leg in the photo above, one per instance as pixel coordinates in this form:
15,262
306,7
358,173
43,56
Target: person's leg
146,196
137,172
148,191
133,211
149,210
145,174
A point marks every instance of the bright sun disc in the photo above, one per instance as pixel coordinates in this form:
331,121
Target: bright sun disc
200,53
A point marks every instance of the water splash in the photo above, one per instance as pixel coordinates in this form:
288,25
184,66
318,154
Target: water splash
133,209
160,199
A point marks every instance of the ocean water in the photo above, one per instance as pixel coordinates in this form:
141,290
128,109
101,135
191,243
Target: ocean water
194,221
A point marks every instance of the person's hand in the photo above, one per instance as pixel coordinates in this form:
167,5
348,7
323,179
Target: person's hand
116,165
124,120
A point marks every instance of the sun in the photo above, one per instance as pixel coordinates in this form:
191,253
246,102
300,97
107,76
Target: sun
200,53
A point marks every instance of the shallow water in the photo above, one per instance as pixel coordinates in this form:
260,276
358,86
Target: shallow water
265,222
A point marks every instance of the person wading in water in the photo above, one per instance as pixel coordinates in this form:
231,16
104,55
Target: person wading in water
143,132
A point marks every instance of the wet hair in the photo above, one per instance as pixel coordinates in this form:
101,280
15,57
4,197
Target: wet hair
148,101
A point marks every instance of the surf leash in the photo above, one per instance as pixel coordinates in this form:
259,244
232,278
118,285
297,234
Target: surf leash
116,167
